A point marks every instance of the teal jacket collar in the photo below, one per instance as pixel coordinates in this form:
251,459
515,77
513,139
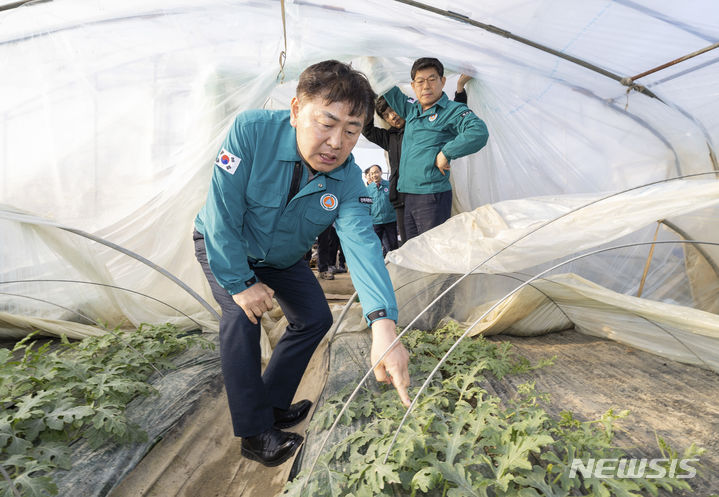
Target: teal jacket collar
442,102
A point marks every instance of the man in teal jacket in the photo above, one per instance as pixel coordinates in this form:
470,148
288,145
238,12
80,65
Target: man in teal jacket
280,178
437,130
384,218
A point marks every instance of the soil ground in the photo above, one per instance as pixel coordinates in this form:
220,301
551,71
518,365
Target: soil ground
667,399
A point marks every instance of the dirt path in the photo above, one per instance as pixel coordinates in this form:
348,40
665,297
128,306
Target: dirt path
677,402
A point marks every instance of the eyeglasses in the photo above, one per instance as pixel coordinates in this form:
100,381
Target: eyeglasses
431,80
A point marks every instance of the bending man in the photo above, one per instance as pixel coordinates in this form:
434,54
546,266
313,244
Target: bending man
280,178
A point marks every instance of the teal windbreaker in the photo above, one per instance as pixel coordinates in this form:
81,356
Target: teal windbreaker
246,214
447,126
382,210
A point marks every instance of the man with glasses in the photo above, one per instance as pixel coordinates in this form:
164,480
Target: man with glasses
437,130
391,140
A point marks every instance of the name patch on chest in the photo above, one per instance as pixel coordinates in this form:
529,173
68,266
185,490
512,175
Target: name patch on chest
365,200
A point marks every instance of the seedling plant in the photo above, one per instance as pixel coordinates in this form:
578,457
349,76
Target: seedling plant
52,396
462,441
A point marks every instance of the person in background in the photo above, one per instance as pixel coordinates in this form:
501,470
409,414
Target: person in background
391,141
330,259
384,219
437,130
281,177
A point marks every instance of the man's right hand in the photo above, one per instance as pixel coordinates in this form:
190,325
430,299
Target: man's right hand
394,368
255,300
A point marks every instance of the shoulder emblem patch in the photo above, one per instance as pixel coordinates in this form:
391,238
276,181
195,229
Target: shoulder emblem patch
329,202
227,161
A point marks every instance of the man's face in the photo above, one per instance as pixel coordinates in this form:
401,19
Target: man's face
326,133
375,174
427,85
393,118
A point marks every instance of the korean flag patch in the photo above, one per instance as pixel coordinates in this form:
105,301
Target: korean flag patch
227,161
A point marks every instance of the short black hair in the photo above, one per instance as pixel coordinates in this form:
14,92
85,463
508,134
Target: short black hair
381,106
335,81
366,171
426,63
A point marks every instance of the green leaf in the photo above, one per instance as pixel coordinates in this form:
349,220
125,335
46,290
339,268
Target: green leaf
456,440
514,455
537,480
5,354
31,405
18,445
107,419
67,415
54,454
34,486
31,428
457,475
425,479
18,461
380,474
623,488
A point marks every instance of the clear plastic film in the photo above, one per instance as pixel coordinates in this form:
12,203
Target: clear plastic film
111,116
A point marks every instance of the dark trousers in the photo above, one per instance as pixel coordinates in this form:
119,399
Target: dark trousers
328,243
251,394
399,211
387,234
424,211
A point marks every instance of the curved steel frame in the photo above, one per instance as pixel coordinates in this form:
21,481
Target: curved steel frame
91,320
106,285
37,221
488,311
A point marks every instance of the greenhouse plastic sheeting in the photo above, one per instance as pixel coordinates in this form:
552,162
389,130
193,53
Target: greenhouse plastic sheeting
565,300
112,113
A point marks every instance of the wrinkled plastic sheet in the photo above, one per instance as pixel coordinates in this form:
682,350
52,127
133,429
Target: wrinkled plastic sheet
95,472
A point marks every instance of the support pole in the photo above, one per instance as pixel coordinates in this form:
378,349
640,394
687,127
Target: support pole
649,259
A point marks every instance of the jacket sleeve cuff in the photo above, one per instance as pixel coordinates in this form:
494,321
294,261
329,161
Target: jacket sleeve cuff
382,313
238,287
448,155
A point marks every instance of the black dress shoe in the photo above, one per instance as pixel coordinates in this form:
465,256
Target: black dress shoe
286,418
271,447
